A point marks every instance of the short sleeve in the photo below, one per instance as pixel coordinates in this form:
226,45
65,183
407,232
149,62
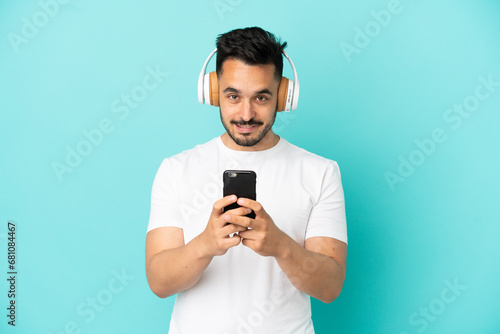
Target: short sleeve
327,218
164,200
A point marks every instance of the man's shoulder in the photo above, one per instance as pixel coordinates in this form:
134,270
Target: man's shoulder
195,153
199,149
300,154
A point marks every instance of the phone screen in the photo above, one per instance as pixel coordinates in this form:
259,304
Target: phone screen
242,184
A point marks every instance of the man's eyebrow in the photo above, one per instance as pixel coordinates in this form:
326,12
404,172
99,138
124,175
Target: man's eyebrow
231,89
234,90
264,91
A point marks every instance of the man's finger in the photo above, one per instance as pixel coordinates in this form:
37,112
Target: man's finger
248,234
233,228
239,220
251,204
241,211
222,203
232,241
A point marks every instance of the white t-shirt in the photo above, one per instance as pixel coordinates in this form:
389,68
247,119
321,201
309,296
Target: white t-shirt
241,291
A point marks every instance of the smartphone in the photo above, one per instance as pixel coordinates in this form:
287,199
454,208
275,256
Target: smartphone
242,184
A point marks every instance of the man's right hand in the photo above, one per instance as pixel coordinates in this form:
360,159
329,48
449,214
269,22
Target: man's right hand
172,266
215,238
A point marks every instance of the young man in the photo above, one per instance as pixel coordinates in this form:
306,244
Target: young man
232,273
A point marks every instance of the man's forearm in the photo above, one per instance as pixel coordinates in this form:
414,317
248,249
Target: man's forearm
315,274
177,269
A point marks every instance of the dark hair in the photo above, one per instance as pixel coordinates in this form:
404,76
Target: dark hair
253,46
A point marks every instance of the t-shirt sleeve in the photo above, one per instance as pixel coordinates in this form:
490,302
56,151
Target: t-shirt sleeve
327,218
164,200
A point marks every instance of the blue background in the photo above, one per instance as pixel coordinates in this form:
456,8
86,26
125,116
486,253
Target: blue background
65,67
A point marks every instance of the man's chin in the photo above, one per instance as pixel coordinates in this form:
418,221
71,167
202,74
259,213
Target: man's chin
245,140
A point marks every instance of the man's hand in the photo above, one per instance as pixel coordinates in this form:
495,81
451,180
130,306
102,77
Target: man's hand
263,236
325,255
215,238
172,266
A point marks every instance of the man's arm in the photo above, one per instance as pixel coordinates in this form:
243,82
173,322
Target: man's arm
173,266
317,269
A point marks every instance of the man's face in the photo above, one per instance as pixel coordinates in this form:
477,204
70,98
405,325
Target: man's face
248,99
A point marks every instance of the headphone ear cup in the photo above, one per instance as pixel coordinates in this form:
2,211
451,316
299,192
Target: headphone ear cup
214,89
282,94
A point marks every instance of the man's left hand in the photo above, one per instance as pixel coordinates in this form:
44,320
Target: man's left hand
263,236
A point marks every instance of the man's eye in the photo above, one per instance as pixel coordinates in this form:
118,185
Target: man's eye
232,97
262,98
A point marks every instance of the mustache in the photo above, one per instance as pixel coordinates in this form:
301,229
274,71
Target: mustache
250,122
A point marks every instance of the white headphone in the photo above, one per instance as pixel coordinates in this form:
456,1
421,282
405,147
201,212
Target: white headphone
288,91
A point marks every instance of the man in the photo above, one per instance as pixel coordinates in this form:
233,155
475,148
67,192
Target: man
232,273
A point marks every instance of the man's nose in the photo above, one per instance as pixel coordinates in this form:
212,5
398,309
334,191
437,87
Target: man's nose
247,112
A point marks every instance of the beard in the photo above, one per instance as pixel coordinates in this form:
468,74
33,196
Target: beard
246,139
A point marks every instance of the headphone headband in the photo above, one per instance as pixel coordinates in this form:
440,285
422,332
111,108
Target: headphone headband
200,78
295,96
292,94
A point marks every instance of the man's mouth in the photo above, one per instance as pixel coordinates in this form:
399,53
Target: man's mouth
246,127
